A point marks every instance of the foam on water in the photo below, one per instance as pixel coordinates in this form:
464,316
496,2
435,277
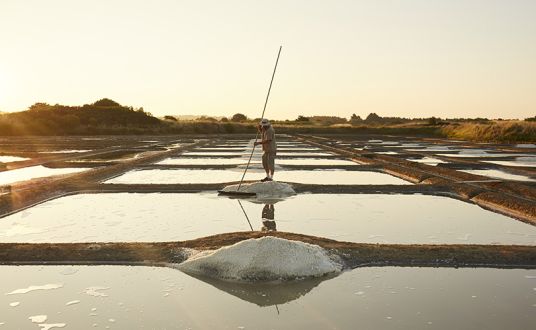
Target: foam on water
36,288
38,318
95,291
264,259
48,326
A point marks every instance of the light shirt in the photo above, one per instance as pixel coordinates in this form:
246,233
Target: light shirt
269,134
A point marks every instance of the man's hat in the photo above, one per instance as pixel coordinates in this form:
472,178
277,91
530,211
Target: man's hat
265,122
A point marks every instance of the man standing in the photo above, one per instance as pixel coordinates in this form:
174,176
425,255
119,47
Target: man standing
269,147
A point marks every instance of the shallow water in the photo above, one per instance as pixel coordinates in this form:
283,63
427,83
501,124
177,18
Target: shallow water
386,152
221,147
519,161
500,175
8,159
481,155
368,298
65,151
299,154
428,161
409,219
315,161
231,175
27,173
211,153
203,161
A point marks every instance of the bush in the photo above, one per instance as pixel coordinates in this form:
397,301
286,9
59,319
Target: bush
238,117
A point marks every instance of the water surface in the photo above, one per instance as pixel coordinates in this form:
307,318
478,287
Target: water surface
122,297
33,172
320,176
366,218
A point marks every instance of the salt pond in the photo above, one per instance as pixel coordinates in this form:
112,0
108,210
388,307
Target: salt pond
500,175
428,161
315,161
211,153
27,173
519,161
65,151
369,298
203,161
9,159
409,219
301,154
219,176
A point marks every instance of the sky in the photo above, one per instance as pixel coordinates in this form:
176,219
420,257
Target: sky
406,58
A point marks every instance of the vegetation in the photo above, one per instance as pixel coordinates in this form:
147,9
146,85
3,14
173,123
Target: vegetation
500,131
102,117
106,116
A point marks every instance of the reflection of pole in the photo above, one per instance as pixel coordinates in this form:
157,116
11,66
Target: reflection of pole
277,308
245,214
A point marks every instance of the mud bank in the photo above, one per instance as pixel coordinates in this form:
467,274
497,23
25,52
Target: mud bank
352,255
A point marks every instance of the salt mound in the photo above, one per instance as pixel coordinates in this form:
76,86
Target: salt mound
264,189
263,259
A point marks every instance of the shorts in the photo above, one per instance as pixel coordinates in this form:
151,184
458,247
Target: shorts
268,160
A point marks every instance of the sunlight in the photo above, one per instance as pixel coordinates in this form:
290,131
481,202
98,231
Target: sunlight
4,88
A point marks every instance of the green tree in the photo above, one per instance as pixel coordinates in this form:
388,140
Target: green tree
106,103
39,106
238,117
170,118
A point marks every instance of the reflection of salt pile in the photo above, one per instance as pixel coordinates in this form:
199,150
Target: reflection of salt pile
264,189
264,259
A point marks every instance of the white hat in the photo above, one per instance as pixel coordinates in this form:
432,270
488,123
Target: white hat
265,122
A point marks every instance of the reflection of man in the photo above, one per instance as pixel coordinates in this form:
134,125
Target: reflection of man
268,223
269,147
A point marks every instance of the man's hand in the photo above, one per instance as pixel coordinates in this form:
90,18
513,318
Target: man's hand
257,143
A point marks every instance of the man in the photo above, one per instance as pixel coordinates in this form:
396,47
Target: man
269,147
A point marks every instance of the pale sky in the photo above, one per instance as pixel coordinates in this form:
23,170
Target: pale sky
409,58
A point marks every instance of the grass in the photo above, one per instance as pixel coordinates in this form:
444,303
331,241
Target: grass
499,131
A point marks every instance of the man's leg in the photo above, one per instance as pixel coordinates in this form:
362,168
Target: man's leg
271,163
265,165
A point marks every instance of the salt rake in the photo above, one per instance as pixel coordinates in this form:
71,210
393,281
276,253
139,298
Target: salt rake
239,193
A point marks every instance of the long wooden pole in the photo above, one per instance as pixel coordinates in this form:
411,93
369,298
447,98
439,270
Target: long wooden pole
262,116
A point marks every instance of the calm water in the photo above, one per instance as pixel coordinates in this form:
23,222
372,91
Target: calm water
122,297
500,175
357,218
230,175
27,173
